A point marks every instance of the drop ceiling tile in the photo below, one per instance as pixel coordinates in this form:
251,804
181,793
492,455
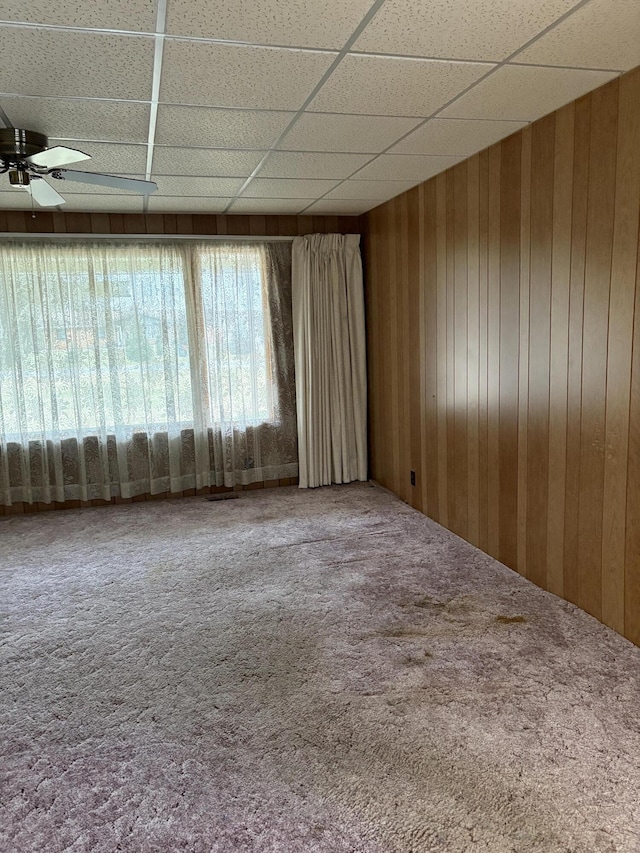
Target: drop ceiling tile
455,136
402,87
292,22
136,15
16,199
343,207
373,190
119,121
339,132
203,161
204,126
287,188
269,205
289,164
72,64
458,29
113,158
191,186
406,167
192,204
525,93
104,203
67,188
232,76
602,34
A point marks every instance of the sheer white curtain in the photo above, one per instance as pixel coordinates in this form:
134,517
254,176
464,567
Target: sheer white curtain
246,415
139,368
95,375
330,359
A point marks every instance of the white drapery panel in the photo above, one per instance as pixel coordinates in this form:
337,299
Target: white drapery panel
330,358
103,353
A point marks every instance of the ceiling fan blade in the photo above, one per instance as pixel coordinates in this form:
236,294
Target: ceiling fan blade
52,158
44,194
131,184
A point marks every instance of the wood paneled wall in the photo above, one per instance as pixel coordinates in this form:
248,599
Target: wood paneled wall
47,222
504,351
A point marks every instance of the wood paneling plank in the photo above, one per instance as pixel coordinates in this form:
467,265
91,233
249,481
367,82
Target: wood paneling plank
451,351
523,354
430,431
559,365
632,530
483,362
460,349
493,353
620,351
441,290
582,138
510,211
597,281
473,348
415,368
542,152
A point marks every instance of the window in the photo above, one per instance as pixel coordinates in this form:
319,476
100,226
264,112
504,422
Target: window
96,338
141,366
236,340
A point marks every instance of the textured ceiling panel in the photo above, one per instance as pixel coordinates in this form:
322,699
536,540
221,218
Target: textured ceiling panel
118,121
295,22
289,164
208,127
458,29
370,189
201,161
525,93
230,76
602,34
269,205
455,136
234,74
139,15
73,64
123,203
354,133
171,204
14,199
403,87
406,167
115,158
343,206
212,187
287,188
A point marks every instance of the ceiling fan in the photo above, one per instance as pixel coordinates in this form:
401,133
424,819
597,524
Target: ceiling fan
25,156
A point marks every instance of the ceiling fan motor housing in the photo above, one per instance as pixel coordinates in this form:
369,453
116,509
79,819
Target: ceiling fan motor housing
16,144
19,178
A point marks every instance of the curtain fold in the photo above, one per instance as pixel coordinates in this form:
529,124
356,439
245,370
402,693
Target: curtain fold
330,358
244,349
120,366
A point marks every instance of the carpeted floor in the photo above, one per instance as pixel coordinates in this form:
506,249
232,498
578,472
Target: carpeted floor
294,671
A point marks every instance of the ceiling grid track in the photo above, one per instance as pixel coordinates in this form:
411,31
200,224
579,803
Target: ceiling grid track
373,10
436,113
254,129
158,51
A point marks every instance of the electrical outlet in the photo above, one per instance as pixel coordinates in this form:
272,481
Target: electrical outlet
413,478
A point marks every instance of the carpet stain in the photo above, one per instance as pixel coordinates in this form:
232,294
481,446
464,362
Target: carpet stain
403,632
311,672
